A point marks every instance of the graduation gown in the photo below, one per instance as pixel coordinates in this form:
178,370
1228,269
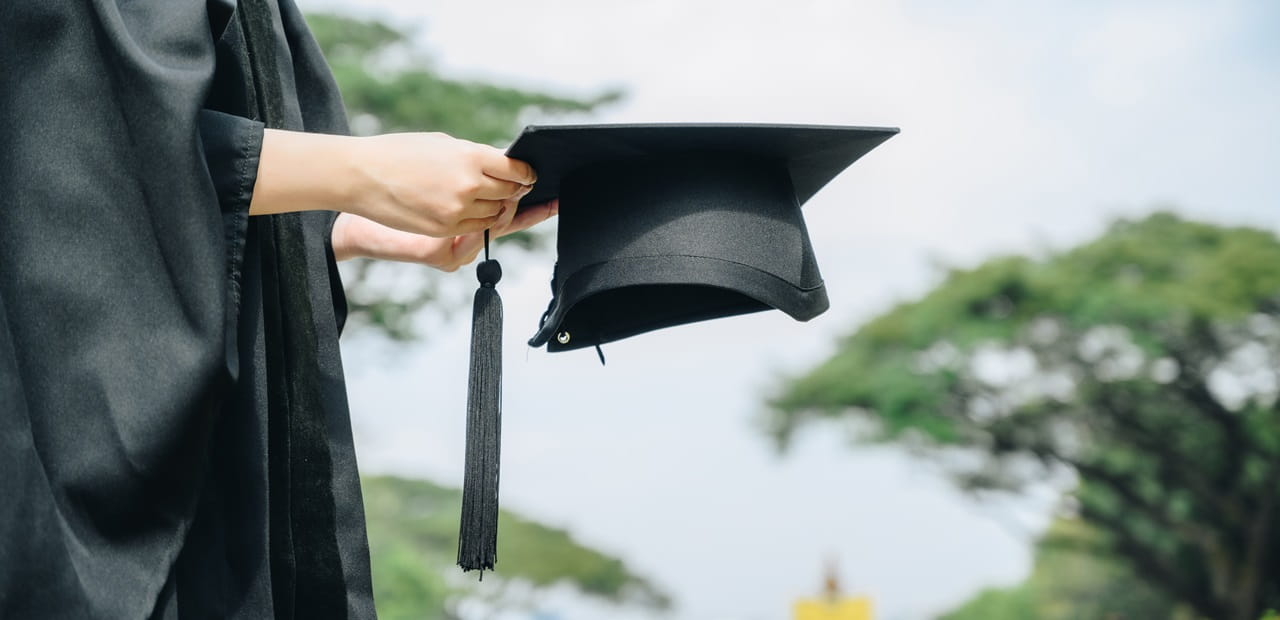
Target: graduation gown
174,433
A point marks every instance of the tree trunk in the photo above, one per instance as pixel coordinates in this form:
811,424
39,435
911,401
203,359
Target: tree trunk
1246,596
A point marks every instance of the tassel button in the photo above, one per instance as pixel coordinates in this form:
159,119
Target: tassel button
489,273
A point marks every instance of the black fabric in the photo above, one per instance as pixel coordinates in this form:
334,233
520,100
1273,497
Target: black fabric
662,225
683,239
811,154
174,433
302,516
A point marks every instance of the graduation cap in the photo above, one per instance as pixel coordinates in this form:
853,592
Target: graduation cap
659,225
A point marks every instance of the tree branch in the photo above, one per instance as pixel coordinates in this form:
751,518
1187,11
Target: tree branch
1157,570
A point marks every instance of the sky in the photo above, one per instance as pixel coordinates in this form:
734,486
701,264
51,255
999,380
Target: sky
1025,127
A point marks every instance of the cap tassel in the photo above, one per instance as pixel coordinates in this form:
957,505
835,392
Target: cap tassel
478,535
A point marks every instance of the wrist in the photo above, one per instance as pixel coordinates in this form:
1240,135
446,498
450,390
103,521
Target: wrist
355,187
307,172
341,239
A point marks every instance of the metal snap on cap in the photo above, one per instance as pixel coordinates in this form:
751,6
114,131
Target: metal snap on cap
562,337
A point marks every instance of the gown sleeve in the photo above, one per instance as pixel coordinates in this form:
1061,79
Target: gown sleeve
232,146
122,210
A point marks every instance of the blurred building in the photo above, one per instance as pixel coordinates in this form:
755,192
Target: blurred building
832,605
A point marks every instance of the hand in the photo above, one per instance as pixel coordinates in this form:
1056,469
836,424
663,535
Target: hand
356,236
429,184
436,185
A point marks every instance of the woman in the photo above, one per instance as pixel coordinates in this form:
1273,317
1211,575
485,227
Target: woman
174,433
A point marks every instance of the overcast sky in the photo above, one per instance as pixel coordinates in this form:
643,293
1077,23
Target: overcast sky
1023,128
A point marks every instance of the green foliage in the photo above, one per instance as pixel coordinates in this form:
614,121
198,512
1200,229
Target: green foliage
1016,603
1145,362
404,94
406,588
413,539
1071,581
388,87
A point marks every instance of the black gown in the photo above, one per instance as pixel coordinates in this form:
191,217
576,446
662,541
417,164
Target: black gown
174,433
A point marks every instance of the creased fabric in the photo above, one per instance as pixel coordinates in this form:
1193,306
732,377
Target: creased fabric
146,455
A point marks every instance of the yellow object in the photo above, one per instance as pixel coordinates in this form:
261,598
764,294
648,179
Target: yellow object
854,608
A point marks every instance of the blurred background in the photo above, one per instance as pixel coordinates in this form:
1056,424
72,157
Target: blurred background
1046,386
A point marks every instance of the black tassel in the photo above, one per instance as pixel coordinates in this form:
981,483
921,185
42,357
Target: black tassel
478,535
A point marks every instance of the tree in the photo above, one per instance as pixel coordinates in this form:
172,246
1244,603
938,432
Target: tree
413,541
1145,362
1070,581
388,87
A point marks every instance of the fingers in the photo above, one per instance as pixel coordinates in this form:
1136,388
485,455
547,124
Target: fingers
487,207
483,209
475,216
470,256
509,211
505,206
530,216
466,248
476,224
432,184
492,188
499,166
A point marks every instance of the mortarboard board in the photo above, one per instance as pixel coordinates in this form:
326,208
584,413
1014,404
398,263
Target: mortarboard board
659,225
662,225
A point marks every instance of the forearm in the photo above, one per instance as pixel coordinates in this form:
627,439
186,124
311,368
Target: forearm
305,172
412,196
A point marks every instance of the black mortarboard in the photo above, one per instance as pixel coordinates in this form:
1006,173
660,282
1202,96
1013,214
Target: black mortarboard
662,225
659,225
